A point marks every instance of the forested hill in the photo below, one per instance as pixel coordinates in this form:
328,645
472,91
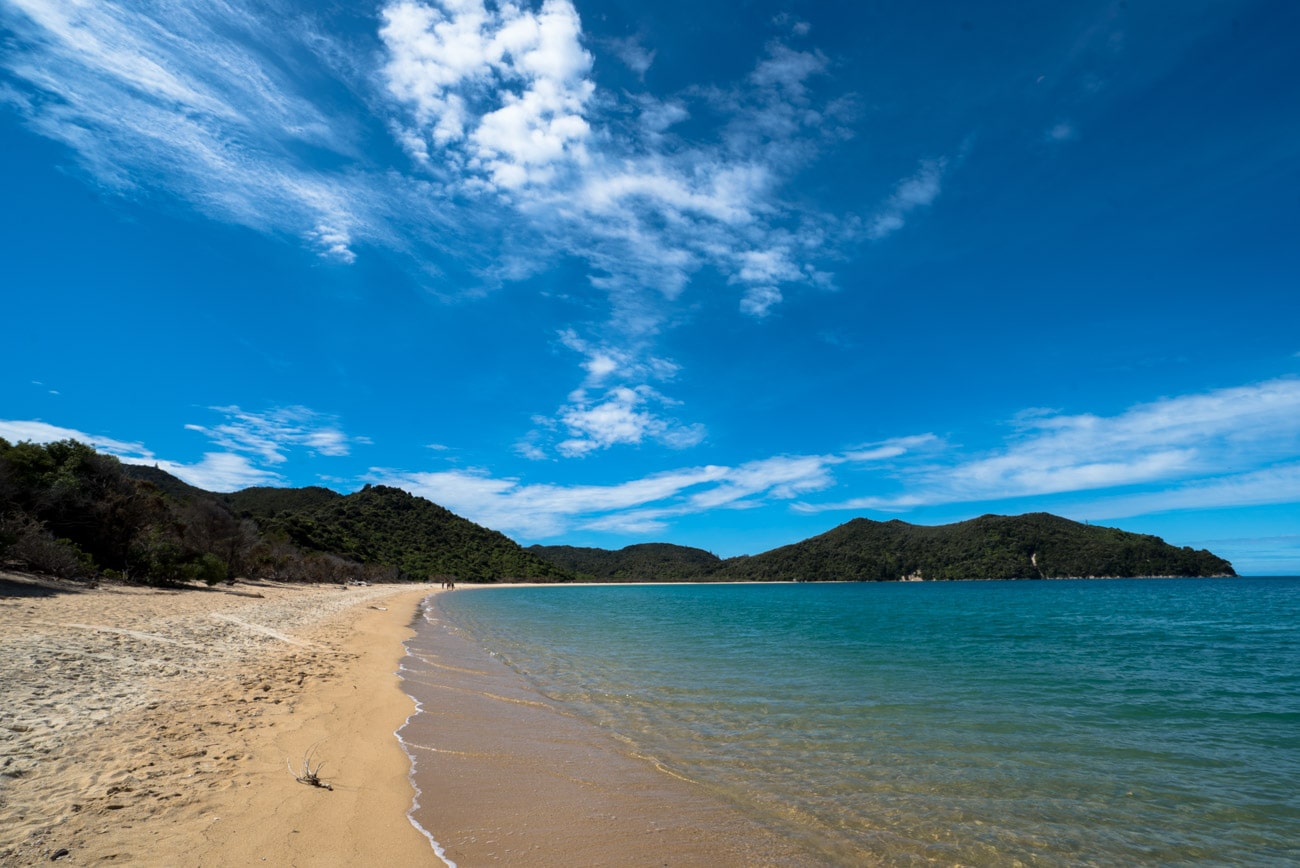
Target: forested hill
1031,546
382,525
70,511
646,562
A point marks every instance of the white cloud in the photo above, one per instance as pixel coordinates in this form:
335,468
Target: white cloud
758,300
16,431
657,116
646,210
1062,132
1202,450
788,69
197,103
1277,483
269,435
251,442
508,84
218,471
540,510
912,193
645,505
620,416
636,56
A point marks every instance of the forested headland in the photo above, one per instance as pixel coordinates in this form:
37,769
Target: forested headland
69,511
1033,546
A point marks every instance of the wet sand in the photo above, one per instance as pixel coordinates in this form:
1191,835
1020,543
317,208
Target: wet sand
155,727
150,727
510,778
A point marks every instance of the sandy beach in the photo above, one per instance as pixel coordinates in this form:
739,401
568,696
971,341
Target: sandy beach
158,727
166,727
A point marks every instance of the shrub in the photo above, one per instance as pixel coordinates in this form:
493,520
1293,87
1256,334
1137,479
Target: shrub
32,545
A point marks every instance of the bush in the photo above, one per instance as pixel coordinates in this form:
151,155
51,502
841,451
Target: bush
32,545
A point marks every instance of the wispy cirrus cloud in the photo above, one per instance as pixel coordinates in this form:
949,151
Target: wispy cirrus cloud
270,434
35,431
270,118
199,103
216,471
911,194
645,505
1225,448
1228,447
249,444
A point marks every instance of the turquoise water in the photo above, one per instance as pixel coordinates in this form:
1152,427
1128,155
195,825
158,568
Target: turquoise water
982,723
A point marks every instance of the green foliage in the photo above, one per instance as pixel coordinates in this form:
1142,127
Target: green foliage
264,502
387,526
159,558
67,510
27,542
646,562
1031,546
75,494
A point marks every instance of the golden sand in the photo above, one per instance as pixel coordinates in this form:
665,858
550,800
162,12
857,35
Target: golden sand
152,727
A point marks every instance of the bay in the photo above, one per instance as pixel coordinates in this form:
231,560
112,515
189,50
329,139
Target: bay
983,723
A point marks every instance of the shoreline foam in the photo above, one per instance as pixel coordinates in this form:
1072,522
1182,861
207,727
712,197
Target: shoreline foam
513,779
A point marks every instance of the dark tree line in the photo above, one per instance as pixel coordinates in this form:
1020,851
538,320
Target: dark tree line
1033,546
72,512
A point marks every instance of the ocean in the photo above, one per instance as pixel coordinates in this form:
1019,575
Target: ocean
1090,722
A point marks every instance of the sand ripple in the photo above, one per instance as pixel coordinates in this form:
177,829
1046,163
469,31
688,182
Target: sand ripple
119,704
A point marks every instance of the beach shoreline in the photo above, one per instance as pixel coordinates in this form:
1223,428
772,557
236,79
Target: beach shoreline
154,726
167,727
514,778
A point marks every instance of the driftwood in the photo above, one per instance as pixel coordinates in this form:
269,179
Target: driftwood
310,775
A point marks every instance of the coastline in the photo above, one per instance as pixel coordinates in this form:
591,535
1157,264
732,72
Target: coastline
148,726
510,777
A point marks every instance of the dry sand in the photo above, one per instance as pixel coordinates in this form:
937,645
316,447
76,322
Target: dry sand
150,727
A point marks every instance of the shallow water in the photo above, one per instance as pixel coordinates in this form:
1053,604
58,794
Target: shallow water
982,723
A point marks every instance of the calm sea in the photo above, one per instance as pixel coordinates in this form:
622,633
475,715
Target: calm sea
983,723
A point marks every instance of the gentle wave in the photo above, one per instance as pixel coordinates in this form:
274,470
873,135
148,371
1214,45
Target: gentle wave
1051,723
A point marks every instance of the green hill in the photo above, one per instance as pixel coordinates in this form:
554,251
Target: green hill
264,502
163,481
68,510
382,525
646,562
1031,546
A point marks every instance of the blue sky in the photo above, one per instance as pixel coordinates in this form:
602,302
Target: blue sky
724,275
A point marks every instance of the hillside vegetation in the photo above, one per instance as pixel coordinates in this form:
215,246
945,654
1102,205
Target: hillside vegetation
1034,546
381,525
70,511
646,562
